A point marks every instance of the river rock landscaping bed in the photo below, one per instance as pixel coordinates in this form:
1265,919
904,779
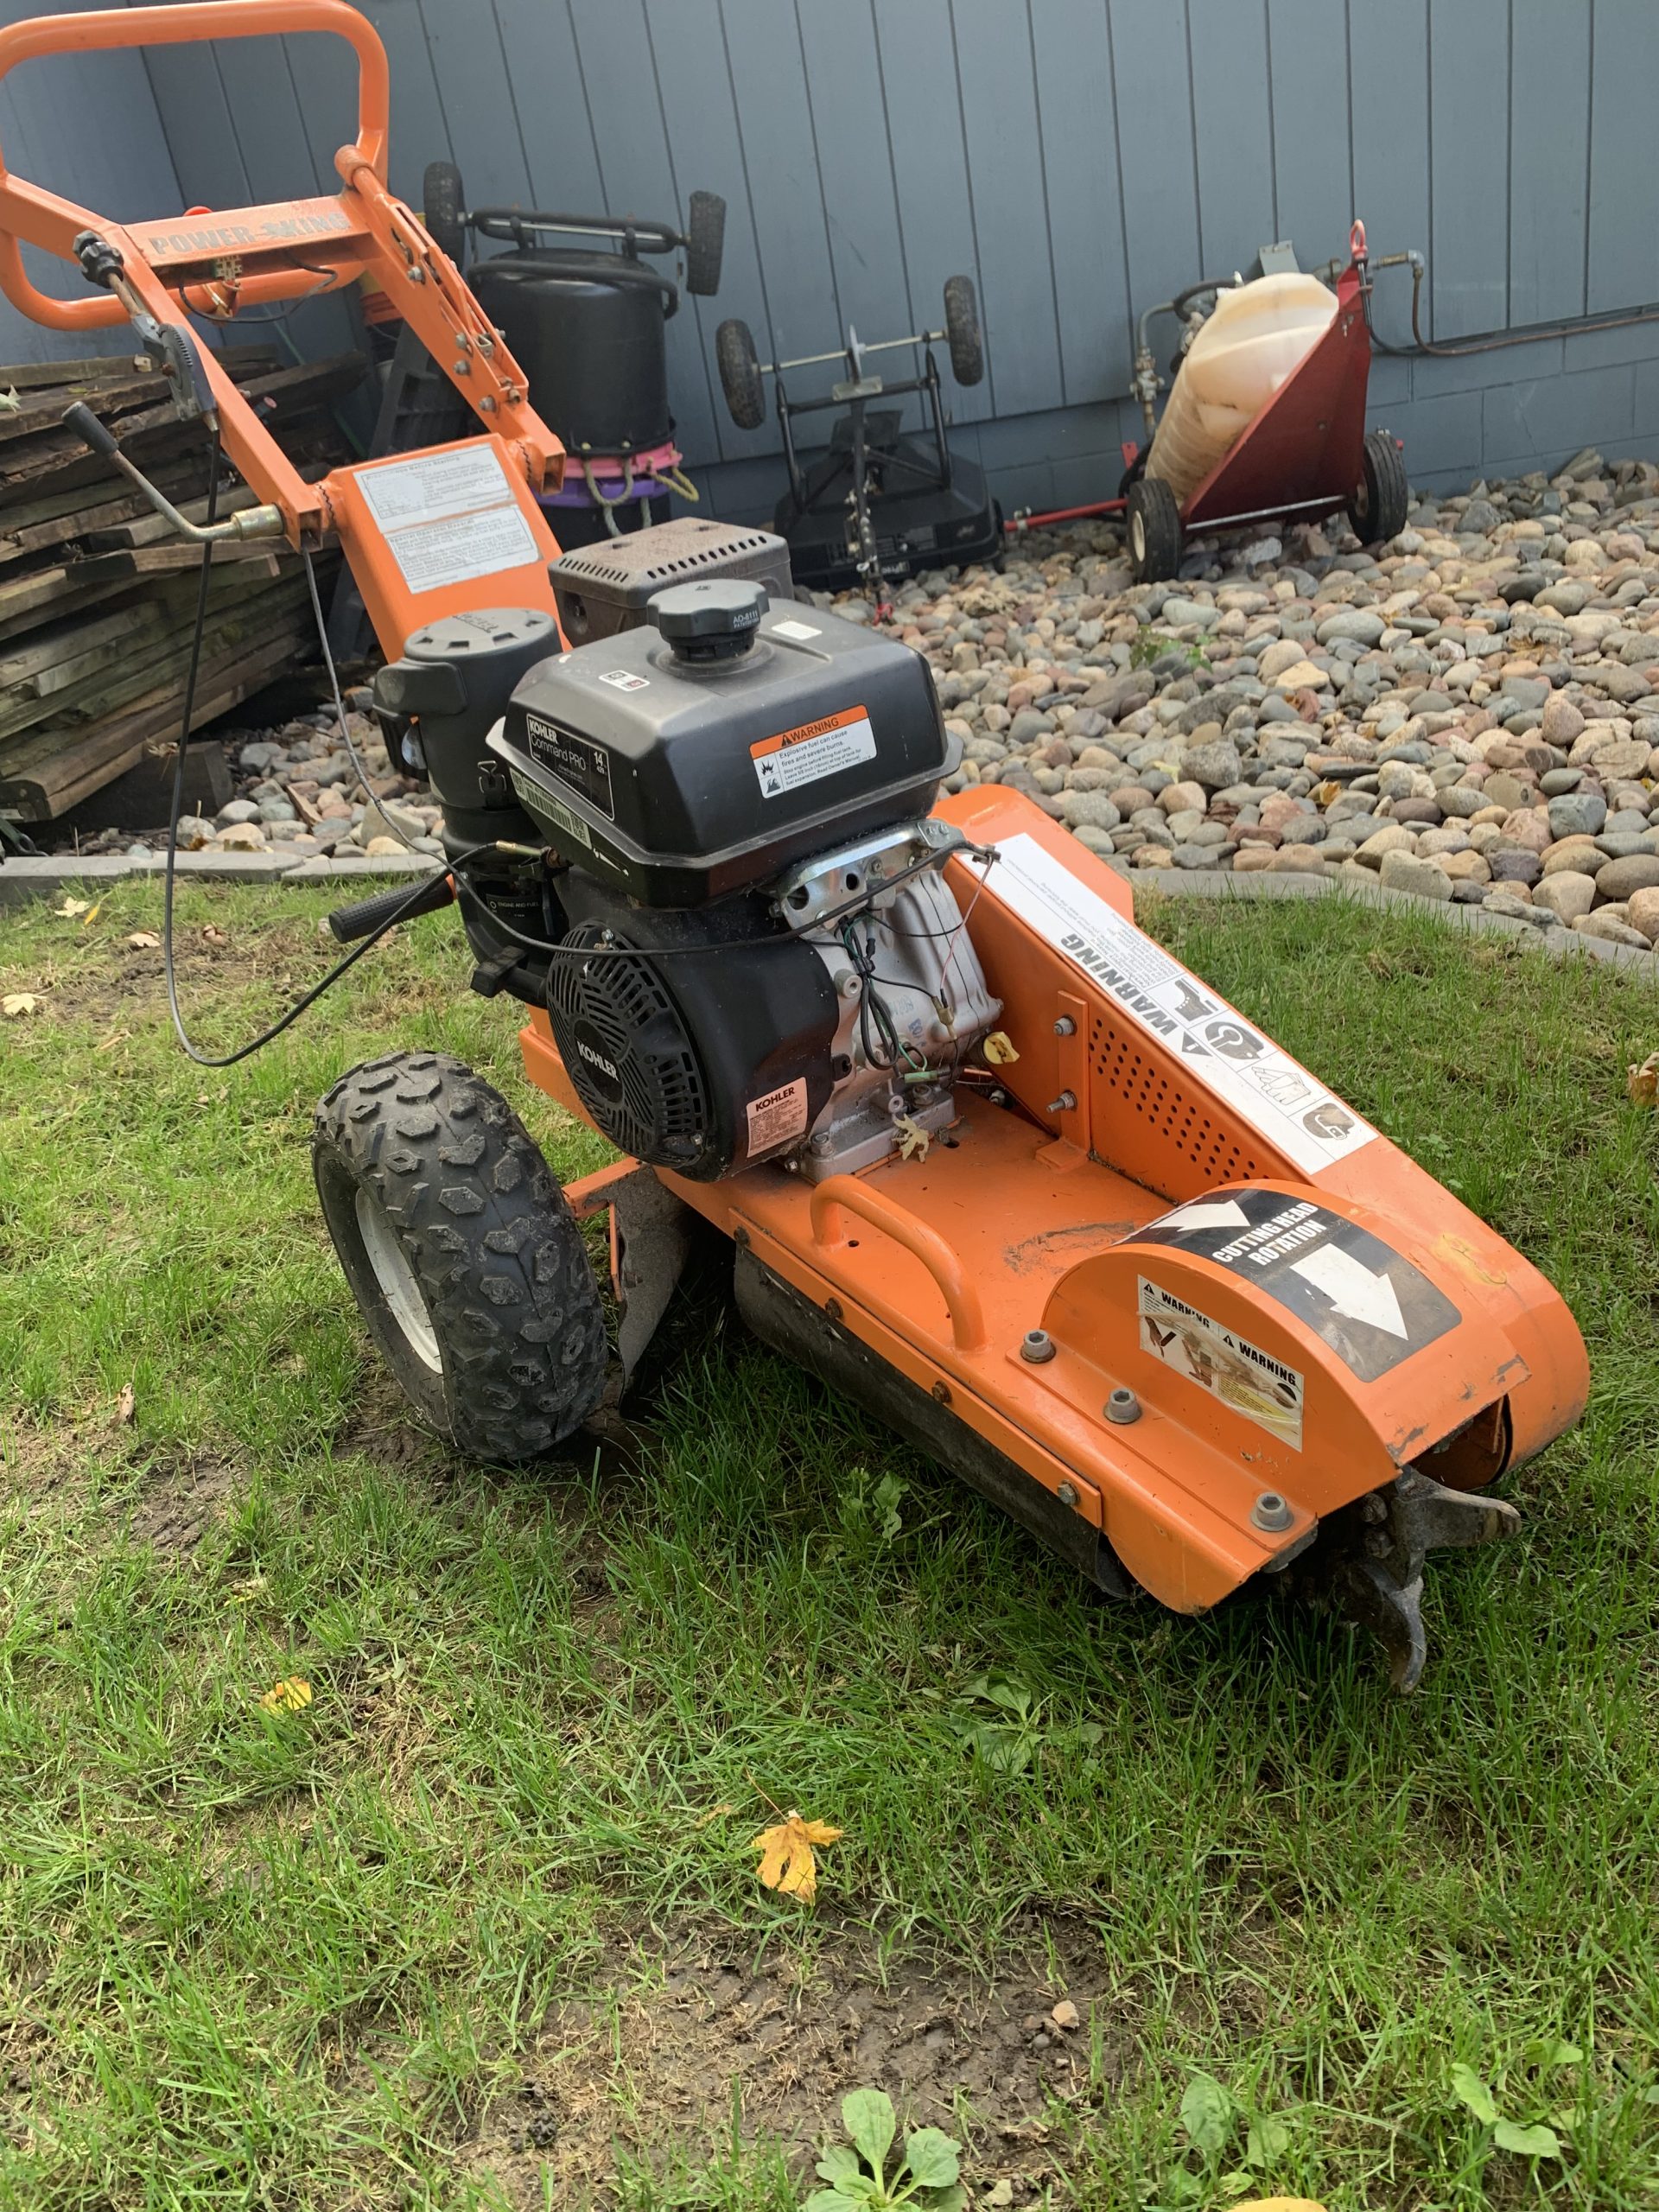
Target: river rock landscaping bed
1470,713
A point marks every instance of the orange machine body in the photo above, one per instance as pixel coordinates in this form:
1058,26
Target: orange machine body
1037,1215
213,265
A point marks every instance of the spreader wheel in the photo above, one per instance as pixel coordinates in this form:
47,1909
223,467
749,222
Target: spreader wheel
1382,497
739,374
705,243
463,1256
1156,535
961,330
443,203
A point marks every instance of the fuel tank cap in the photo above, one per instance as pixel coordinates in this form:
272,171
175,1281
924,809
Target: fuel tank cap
713,620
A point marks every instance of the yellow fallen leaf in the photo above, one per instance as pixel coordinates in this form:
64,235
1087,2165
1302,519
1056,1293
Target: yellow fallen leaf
143,941
71,907
787,1863
17,1002
212,934
291,1695
126,1406
1001,1049
1642,1084
913,1139
91,915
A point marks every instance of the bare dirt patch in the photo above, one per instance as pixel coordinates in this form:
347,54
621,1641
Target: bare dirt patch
175,1504
656,2059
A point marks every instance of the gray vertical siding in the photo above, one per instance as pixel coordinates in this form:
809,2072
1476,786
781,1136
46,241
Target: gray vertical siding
1079,157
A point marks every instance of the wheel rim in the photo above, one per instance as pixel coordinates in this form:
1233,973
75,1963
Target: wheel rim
1138,536
1362,497
397,1280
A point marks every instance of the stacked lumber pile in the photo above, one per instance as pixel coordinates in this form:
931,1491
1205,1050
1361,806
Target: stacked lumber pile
98,597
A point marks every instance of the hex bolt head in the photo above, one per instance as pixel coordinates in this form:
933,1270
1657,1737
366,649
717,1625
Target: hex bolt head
1068,1493
1036,1345
1065,1104
1122,1407
1373,1507
1066,1026
1272,1512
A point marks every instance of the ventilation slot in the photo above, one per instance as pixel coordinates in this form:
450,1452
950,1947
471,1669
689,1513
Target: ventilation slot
1164,1108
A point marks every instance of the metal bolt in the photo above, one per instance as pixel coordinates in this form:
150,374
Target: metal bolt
941,1392
820,1144
1272,1512
1066,1026
1063,1104
1068,1493
1121,1407
832,1308
1373,1507
415,275
1377,1543
1036,1345
486,405
461,367
741,1238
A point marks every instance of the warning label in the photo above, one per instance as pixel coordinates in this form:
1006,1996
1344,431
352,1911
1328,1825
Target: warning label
1264,1086
1241,1375
1368,1303
822,748
778,1116
449,516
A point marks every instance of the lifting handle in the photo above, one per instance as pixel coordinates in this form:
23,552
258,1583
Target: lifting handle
845,1193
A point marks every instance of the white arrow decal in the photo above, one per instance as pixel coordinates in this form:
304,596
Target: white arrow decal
1351,1287
1217,1213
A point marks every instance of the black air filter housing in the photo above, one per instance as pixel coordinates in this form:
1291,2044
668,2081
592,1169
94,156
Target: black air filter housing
684,769
606,588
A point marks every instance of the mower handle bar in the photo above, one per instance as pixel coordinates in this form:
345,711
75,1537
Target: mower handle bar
877,345
506,223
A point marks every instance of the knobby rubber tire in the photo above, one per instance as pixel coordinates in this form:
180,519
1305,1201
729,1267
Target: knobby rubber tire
494,1248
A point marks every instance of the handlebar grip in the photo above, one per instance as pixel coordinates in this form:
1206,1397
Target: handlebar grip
80,419
365,916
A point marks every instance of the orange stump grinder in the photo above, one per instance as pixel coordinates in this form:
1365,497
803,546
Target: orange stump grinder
984,1157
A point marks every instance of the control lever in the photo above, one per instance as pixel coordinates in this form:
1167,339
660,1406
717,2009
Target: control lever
251,521
172,348
365,916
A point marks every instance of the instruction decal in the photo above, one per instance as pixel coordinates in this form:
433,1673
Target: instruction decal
447,516
1226,1364
800,632
623,679
1370,1305
575,760
1290,1107
801,756
539,800
778,1117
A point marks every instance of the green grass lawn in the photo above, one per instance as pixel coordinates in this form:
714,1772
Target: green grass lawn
479,1924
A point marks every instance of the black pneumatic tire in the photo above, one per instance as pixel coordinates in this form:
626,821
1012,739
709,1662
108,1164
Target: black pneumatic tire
739,374
705,243
450,1228
1154,531
441,206
1382,497
961,330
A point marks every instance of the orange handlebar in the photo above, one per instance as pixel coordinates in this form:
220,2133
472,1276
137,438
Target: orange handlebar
214,19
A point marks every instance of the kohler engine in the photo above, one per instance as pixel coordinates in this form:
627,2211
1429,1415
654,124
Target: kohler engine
760,956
